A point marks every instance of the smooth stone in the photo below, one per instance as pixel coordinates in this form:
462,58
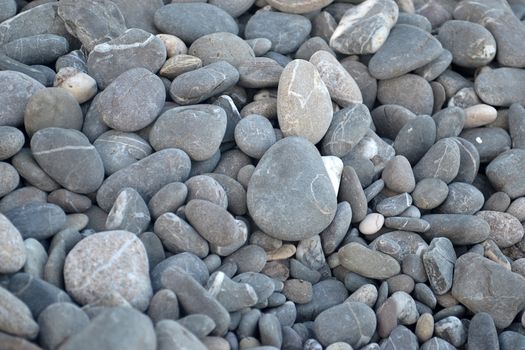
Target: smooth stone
135,48
464,98
415,138
254,135
231,162
310,253
36,258
390,119
501,86
129,213
198,85
437,343
479,115
395,205
52,107
452,330
206,188
398,175
82,86
412,265
490,282
392,60
482,333
260,46
342,87
223,46
352,34
146,176
37,220
16,317
505,229
351,322
38,49
441,161
212,222
12,249
458,228
401,337
87,171
498,201
178,236
304,106
366,294
469,161
424,327
11,141
232,295
9,178
270,330
174,45
178,65
275,218
113,328
366,83
449,122
120,265
154,248
462,198
378,266
407,224
174,335
118,150
517,125
36,293
259,72
454,34
250,258
511,340
298,6
424,294
15,99
334,234
347,128
516,208
21,196
286,31
232,114
8,9
399,244
188,262
38,20
398,309
195,299
326,293
311,46
198,324
74,59
409,90
439,262
92,22
489,142
235,9
58,322
505,175
235,193
177,19
432,70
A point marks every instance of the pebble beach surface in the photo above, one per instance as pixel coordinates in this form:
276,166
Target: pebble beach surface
262,174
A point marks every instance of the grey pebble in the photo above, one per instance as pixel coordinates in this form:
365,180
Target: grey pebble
482,333
173,335
410,91
378,265
401,337
37,220
164,305
447,154
407,224
460,229
449,122
506,177
38,49
395,205
270,330
129,212
16,317
15,100
463,198
176,19
58,322
439,262
489,142
21,196
222,46
11,141
505,229
199,324
501,86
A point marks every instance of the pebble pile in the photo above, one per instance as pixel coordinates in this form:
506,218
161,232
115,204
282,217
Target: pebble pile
262,174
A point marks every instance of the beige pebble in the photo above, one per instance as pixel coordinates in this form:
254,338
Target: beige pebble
371,223
425,327
284,252
248,342
76,221
216,343
179,64
79,84
333,260
339,346
174,45
479,115
446,300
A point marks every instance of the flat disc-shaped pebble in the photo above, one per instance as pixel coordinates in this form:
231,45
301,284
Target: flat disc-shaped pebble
471,44
254,134
409,90
68,157
129,213
415,138
14,97
178,236
147,176
463,198
37,220
259,72
198,130
110,261
441,161
37,49
132,101
501,86
365,27
200,84
449,122
367,262
222,46
390,119
304,106
286,31
179,20
290,195
92,22
349,125
133,49
407,48
489,142
461,229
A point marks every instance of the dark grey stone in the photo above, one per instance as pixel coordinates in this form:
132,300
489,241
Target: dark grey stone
37,220
135,48
11,141
366,82
173,335
389,119
505,229
401,338
462,198
459,229
232,295
469,161
395,205
58,322
352,192
164,305
139,13
14,100
286,31
38,49
129,212
505,175
449,122
409,90
254,135
234,191
501,86
278,175
509,340
489,142
439,262
270,330
482,333
441,161
199,324
222,46
188,262
432,70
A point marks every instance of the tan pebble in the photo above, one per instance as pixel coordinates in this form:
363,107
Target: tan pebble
174,45
248,342
286,251
446,300
371,223
425,327
216,343
179,64
479,115
333,260
493,252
